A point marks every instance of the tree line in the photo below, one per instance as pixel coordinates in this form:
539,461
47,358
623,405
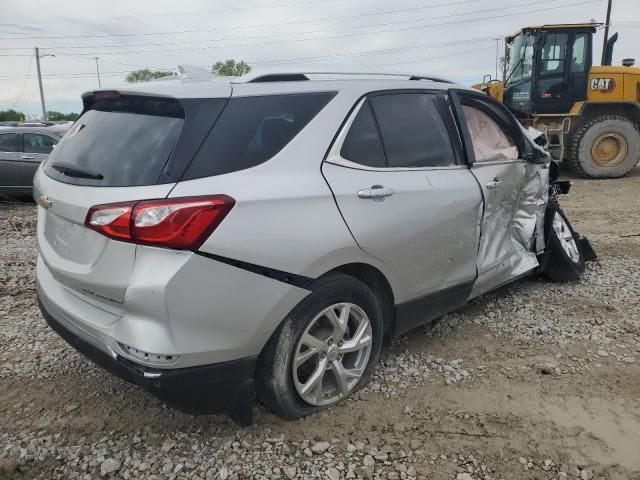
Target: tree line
12,115
227,68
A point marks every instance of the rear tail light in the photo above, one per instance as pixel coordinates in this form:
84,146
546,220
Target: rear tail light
182,223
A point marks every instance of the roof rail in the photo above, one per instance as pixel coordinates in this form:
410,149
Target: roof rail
299,75
27,124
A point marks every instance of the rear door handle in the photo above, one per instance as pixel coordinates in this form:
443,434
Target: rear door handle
27,157
376,193
493,184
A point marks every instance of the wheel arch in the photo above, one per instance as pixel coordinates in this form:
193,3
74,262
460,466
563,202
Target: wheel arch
376,281
591,110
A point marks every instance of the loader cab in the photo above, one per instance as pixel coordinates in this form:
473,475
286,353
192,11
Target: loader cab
548,68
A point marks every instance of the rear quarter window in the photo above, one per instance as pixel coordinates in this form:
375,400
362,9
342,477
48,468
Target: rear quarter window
251,130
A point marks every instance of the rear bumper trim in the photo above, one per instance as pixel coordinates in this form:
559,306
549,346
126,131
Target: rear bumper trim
225,387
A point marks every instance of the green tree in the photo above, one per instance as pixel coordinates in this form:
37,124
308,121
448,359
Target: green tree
59,116
231,68
147,75
11,116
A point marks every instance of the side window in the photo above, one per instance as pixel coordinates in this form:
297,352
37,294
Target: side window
8,142
413,131
579,55
362,144
37,143
554,53
251,130
490,142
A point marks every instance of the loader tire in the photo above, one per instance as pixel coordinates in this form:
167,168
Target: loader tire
607,146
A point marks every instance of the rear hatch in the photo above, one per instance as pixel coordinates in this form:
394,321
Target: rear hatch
125,147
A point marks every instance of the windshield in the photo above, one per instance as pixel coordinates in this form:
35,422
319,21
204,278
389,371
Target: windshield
520,58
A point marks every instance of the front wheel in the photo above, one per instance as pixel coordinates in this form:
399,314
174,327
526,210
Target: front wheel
566,261
324,351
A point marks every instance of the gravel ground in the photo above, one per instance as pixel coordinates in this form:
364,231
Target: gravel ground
535,381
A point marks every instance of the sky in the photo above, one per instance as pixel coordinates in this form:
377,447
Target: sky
455,39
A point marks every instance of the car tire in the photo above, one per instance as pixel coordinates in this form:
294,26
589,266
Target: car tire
566,261
281,387
607,146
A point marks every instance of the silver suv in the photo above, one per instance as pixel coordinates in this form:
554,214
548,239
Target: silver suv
213,241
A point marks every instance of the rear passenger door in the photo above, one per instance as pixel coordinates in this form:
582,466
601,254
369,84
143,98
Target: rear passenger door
400,183
8,158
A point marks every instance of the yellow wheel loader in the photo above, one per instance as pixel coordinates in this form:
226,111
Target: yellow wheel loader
590,114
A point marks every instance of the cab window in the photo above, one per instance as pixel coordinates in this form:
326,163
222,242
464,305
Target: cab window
554,53
579,55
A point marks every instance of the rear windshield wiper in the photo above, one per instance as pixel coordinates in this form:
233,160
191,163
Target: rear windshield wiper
73,171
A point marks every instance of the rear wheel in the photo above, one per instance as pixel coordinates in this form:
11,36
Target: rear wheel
566,261
606,147
324,351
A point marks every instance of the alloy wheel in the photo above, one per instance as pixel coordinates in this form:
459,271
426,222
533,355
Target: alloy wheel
332,354
563,232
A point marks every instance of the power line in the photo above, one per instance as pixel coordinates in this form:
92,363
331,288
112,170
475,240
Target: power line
68,102
466,52
284,61
244,27
347,35
24,84
381,51
264,36
173,14
67,74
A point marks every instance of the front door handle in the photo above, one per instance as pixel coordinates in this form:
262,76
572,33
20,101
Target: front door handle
27,157
376,193
493,184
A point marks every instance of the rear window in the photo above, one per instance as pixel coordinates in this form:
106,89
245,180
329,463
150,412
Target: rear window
251,130
122,141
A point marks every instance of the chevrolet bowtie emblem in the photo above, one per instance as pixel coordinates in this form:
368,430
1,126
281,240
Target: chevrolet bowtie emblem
44,202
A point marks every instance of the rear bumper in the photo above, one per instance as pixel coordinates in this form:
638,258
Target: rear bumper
225,387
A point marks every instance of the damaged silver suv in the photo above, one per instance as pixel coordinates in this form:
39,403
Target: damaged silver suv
217,241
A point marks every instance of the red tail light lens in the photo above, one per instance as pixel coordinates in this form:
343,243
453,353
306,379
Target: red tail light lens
182,223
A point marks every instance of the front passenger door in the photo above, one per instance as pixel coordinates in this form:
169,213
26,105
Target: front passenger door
36,147
500,166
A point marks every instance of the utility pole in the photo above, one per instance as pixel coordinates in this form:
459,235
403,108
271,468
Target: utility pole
606,33
44,109
98,70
